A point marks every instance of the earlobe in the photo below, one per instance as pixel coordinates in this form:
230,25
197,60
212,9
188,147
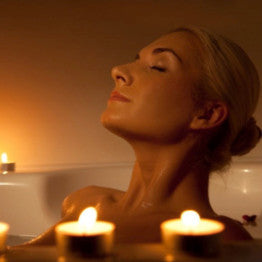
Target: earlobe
212,115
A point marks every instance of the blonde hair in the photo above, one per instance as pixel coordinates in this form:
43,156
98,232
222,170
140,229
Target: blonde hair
228,75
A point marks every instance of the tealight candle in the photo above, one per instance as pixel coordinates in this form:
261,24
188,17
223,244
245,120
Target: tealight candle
192,235
5,165
3,235
86,237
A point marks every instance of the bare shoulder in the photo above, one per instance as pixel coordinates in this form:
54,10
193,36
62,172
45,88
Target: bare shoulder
74,203
234,230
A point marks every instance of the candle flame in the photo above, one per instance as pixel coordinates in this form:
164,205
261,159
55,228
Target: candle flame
4,158
87,218
190,218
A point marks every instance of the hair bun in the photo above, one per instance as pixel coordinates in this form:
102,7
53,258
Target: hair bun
246,139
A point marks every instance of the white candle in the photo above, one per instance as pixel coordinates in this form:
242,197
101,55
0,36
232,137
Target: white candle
3,235
5,165
192,235
85,237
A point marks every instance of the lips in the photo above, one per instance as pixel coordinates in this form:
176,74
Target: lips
116,96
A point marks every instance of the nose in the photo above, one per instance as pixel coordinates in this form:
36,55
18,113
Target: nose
121,75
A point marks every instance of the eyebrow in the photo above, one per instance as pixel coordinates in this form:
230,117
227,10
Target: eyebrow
164,49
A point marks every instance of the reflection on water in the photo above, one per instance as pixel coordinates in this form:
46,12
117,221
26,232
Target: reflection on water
13,240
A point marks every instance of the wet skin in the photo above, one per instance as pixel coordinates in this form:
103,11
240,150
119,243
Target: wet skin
151,107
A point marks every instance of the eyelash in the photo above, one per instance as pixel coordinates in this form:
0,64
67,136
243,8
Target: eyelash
160,69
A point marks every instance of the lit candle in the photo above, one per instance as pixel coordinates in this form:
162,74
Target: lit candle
3,235
5,165
192,235
86,237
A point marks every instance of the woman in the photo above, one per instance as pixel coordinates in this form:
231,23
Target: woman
185,105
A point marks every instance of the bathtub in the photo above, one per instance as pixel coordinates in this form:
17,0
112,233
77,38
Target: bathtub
31,201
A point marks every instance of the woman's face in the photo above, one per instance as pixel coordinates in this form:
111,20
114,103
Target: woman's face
152,95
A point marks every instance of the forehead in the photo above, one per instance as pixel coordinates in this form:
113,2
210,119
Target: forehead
185,44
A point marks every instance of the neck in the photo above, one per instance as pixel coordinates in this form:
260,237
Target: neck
167,178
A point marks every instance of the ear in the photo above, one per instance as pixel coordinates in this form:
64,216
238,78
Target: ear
213,114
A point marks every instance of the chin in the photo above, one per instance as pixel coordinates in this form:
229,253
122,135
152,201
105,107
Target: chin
111,122
120,126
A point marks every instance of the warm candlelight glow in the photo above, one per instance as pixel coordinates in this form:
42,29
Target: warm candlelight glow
190,219
190,223
6,166
86,224
192,235
85,237
87,218
4,228
4,158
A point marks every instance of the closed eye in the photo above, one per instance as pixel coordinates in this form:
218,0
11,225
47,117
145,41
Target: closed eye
160,69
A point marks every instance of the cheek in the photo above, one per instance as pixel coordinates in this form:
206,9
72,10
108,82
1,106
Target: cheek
163,112
165,101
